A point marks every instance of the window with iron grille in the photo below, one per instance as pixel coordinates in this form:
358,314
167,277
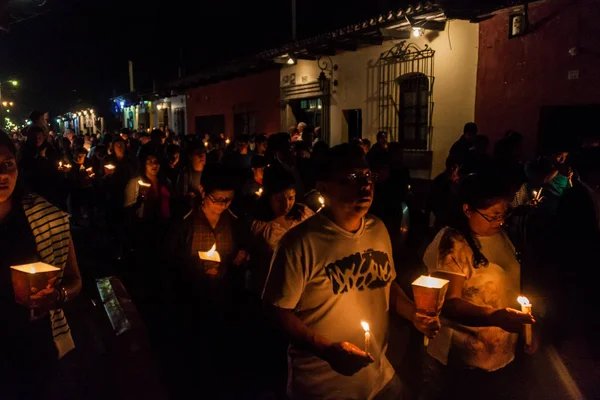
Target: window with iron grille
405,95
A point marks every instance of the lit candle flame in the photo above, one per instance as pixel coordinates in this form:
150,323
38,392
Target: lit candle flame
321,200
32,270
259,192
109,166
535,194
524,301
205,144
365,326
60,164
144,184
211,255
212,250
227,141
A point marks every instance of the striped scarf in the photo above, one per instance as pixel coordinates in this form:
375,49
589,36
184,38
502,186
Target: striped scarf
50,227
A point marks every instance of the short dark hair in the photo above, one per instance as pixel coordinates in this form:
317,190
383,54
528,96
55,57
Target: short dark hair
260,139
217,177
471,128
380,134
341,158
35,115
172,149
196,145
277,179
80,150
259,162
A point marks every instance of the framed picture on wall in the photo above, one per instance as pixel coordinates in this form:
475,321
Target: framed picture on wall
517,25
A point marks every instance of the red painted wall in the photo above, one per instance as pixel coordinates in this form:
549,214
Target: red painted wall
259,93
517,77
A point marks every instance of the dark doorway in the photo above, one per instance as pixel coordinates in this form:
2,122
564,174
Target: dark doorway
566,125
354,122
179,123
244,124
309,111
211,124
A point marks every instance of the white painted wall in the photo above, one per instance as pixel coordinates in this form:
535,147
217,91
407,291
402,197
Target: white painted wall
455,72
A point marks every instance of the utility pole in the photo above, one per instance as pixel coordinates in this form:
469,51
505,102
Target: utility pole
294,20
131,87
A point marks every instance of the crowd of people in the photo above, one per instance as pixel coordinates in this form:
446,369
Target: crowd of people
284,240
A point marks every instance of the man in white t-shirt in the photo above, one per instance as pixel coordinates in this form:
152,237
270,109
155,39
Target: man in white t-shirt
330,274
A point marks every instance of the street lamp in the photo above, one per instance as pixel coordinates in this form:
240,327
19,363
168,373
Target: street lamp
14,83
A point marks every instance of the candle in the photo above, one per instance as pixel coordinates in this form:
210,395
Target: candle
526,307
259,192
109,168
205,144
211,255
31,280
367,330
90,172
429,294
322,202
227,141
143,187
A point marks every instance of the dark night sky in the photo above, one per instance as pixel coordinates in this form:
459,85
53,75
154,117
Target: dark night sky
77,52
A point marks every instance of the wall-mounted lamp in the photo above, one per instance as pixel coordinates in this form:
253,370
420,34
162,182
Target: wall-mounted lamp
290,61
325,63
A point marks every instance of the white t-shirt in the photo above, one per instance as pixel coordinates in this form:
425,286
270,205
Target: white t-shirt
496,285
332,280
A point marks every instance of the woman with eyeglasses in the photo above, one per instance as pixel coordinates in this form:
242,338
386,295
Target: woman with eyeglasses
210,223
473,355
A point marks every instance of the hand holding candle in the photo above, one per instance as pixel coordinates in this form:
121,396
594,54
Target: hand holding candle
33,283
526,307
429,294
109,169
211,255
90,172
144,187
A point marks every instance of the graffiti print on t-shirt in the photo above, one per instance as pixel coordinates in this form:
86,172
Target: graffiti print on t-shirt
370,269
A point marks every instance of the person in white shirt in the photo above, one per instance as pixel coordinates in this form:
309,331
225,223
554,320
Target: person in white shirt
331,273
472,357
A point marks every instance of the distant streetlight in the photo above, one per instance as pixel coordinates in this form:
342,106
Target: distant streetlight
14,83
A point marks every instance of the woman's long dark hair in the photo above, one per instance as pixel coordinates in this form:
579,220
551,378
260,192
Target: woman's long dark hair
276,180
478,191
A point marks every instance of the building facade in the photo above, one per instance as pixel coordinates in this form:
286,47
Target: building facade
544,83
421,91
242,105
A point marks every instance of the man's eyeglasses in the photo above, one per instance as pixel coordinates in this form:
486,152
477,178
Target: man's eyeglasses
497,218
221,201
354,178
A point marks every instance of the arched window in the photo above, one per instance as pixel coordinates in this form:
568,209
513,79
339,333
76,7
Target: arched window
413,112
